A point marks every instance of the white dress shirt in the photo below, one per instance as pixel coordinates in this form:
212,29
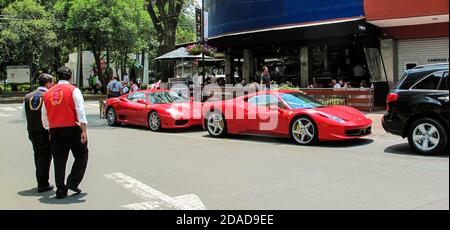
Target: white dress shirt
79,107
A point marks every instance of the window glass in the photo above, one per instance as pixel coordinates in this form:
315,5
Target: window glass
136,96
300,101
167,98
444,82
264,100
430,83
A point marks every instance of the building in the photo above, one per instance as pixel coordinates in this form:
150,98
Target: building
413,32
314,41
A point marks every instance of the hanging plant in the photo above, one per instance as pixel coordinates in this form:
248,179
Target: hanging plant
198,49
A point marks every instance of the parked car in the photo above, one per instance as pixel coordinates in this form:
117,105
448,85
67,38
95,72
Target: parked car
288,114
154,109
418,109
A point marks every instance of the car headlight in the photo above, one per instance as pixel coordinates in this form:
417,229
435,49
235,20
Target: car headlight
340,120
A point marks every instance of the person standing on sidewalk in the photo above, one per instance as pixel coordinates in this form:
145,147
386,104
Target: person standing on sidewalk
265,78
37,134
64,115
114,88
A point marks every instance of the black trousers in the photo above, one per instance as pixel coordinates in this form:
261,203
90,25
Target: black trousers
42,156
64,140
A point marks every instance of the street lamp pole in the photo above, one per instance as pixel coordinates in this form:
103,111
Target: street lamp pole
203,53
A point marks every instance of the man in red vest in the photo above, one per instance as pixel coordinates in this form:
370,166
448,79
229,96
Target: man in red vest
64,115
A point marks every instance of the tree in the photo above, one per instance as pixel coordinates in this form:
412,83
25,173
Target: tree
107,25
28,34
165,15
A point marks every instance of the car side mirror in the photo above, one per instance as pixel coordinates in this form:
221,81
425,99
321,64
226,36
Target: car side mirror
122,99
274,108
140,101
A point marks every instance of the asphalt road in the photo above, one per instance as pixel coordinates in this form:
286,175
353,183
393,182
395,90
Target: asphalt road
132,168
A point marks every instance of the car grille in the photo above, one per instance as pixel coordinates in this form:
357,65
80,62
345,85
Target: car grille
181,122
358,132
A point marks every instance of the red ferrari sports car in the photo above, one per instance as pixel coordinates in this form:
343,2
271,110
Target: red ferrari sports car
289,114
154,109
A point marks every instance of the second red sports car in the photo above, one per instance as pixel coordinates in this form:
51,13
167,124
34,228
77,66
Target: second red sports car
289,114
155,109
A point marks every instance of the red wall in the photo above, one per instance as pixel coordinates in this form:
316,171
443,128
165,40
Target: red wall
417,31
390,9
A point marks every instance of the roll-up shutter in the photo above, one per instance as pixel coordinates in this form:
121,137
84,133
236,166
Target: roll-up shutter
424,51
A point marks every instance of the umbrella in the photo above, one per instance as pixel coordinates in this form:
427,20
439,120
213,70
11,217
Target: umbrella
181,53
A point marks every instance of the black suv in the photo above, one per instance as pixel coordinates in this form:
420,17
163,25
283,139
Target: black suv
418,109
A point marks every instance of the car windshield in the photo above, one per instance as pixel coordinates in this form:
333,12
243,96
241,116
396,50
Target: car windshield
166,98
300,101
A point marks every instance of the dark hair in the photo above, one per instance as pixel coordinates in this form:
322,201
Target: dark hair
64,73
44,79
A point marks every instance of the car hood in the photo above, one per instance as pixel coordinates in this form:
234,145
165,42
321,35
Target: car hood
343,112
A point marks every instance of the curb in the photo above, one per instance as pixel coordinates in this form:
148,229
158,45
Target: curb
16,100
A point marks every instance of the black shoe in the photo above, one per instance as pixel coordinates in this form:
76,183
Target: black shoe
61,195
74,189
45,189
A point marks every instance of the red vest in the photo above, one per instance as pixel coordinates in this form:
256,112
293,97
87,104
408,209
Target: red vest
60,106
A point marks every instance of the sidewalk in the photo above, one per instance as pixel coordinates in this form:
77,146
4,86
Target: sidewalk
15,100
377,127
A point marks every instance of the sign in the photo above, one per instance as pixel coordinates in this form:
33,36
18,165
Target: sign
198,24
18,74
438,60
205,25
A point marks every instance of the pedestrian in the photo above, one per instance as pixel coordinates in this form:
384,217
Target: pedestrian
64,115
335,84
134,87
37,134
265,77
126,79
114,88
125,88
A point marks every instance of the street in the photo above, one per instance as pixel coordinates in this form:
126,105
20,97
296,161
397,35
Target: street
133,168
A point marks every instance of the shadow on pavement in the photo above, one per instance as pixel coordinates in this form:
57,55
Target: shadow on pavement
73,199
33,192
284,141
145,129
405,149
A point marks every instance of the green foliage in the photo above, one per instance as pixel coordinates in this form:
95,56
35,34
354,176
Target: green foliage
29,34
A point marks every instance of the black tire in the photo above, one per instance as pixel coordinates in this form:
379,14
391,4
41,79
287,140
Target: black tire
429,139
154,126
111,116
220,133
311,129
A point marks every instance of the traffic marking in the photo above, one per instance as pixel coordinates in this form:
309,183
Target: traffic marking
8,109
154,199
4,115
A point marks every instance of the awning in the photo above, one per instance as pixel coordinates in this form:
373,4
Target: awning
180,53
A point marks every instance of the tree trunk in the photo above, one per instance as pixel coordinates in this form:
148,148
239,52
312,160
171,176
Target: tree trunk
99,70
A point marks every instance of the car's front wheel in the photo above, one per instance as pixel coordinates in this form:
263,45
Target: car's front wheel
111,116
304,131
427,136
216,125
154,121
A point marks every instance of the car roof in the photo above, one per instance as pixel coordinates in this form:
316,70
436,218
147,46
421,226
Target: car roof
429,68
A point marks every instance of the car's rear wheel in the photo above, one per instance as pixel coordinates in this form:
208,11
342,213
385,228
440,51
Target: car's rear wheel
427,136
304,131
216,125
154,121
111,116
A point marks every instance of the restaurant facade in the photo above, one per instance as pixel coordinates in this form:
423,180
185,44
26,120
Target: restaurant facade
309,43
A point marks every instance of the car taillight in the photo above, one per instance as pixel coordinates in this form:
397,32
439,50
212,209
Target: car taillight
392,97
